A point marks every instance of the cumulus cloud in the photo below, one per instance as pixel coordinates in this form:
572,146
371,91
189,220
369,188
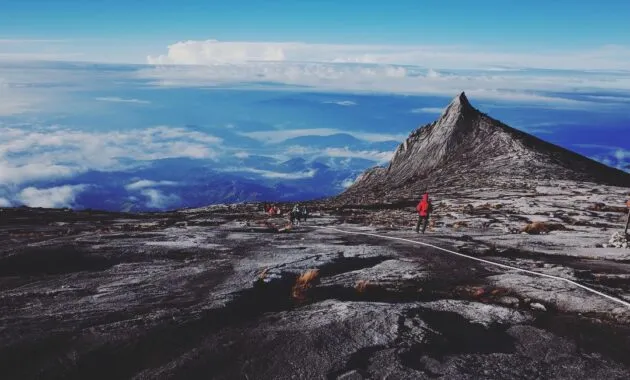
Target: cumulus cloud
115,99
54,197
157,199
213,51
17,174
5,202
144,183
241,155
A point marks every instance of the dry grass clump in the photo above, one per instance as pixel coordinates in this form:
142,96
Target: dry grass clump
605,208
263,274
537,228
362,285
305,282
460,224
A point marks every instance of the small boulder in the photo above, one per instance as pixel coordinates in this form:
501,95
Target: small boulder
537,306
618,240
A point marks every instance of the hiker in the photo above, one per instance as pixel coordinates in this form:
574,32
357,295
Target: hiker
296,214
424,209
304,212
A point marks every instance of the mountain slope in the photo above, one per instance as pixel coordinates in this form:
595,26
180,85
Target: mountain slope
465,148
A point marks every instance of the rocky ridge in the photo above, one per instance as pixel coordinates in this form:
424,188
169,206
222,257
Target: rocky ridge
467,149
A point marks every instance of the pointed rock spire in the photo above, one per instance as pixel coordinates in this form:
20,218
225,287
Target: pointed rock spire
458,107
461,99
460,103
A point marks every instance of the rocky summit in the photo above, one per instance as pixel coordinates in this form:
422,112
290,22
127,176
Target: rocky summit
466,149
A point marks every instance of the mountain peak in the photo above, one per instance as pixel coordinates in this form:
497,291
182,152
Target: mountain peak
465,145
458,106
461,99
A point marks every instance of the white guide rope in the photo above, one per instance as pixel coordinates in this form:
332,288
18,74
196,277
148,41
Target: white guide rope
614,299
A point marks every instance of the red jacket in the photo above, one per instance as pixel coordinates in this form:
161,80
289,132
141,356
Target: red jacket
424,207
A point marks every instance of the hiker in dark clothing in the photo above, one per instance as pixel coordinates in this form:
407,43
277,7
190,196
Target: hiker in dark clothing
296,214
304,213
424,209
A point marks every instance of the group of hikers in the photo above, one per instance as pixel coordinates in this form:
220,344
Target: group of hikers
300,213
297,214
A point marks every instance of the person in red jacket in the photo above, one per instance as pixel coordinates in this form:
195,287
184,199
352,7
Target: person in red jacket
424,211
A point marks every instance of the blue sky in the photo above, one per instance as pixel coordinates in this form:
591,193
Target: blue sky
128,31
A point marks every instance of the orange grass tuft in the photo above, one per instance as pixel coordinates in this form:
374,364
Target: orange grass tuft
305,282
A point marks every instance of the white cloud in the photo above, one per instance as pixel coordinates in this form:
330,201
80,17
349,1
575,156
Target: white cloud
211,52
114,99
429,70
241,155
5,202
54,197
367,155
274,175
371,155
610,98
614,156
156,199
524,86
16,174
622,154
144,183
432,74
597,146
436,110
344,103
280,135
347,183
35,153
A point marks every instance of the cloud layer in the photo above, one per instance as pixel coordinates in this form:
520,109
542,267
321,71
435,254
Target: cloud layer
540,87
51,152
211,52
114,99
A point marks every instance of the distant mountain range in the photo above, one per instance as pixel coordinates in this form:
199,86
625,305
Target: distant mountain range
180,182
